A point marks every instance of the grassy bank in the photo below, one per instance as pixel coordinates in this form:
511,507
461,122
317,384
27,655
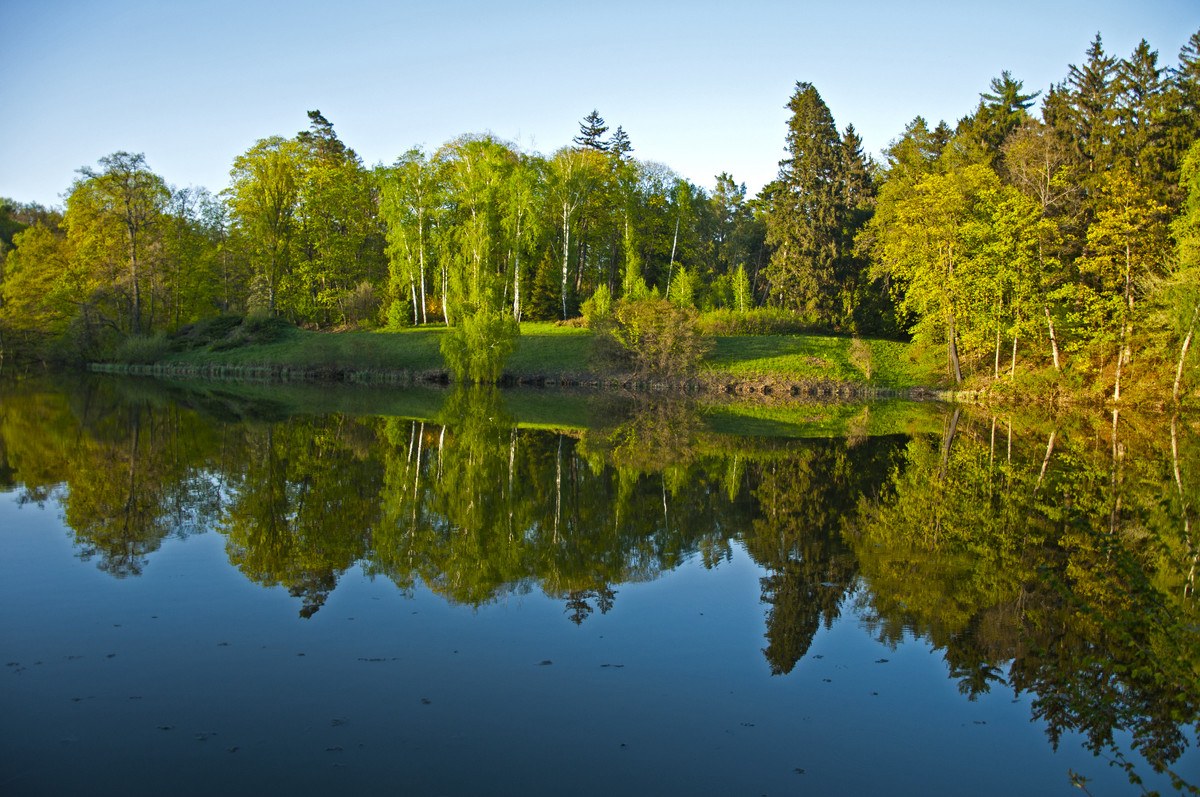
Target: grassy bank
544,352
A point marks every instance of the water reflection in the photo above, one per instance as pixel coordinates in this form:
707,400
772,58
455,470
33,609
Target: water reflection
1064,572
1049,557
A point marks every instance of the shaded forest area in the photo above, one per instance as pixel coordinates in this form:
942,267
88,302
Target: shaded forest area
1059,251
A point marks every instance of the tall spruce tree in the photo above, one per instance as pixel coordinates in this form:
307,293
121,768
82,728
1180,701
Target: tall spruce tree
1181,101
1140,89
1001,111
804,223
620,145
1090,107
591,132
866,301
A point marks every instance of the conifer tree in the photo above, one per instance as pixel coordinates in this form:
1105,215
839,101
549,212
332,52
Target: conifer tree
1090,105
620,146
1181,101
591,133
804,223
1140,91
1000,112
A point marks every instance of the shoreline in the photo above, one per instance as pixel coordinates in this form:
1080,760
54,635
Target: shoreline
762,389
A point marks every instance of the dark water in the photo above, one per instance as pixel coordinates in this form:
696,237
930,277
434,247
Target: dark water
225,593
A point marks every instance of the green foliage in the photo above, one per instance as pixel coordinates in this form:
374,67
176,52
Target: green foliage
142,349
860,356
804,222
758,321
1043,243
652,337
230,331
682,291
476,349
599,306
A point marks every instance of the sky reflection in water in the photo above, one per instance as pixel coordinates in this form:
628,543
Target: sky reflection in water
787,639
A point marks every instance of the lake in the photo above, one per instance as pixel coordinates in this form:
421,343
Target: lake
252,589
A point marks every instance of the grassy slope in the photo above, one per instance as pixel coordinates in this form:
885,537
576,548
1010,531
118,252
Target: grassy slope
547,349
816,357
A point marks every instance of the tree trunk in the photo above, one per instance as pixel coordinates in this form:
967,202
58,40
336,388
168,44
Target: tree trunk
671,267
421,256
1045,461
996,366
566,263
412,287
445,298
1012,368
558,488
1126,350
1118,459
1053,339
137,290
955,369
517,272
1120,360
1190,587
1187,341
417,477
948,441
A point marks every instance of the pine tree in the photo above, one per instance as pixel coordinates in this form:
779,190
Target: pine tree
1000,112
804,223
591,132
1140,92
324,141
861,299
1090,95
544,303
620,146
1182,101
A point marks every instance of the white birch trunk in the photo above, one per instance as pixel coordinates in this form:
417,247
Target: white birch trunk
1053,339
1187,341
566,256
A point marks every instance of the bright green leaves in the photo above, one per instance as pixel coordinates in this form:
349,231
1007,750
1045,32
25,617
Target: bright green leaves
651,336
264,200
475,349
306,210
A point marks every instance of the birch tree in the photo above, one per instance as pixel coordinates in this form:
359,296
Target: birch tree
410,197
573,174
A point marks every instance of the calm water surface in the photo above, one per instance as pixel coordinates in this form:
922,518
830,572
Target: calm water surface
217,593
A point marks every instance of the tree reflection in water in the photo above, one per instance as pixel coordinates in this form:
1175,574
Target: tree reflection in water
1052,558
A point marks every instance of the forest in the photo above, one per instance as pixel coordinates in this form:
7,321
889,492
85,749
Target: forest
1047,235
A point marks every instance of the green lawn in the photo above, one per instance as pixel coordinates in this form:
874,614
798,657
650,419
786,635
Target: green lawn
879,362
548,349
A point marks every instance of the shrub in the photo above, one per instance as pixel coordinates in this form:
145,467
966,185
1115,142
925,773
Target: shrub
599,306
142,349
362,304
262,328
760,321
860,356
205,331
476,349
650,336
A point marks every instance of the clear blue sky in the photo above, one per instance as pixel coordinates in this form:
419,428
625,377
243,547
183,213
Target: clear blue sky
700,86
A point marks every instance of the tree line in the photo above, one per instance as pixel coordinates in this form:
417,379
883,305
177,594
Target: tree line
307,232
1068,238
